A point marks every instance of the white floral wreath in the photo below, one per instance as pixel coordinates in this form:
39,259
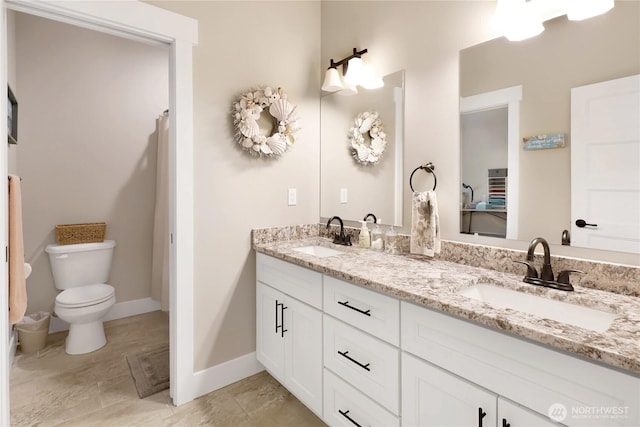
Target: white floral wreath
246,113
367,122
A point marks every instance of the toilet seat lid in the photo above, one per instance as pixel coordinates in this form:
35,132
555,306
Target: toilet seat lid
85,295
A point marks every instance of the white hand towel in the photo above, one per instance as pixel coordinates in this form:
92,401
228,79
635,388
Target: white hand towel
425,224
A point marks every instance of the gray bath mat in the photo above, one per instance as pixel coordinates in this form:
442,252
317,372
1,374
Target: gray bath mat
150,370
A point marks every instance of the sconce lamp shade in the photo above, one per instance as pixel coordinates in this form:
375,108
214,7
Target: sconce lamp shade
525,29
578,10
513,21
349,89
332,81
369,79
354,71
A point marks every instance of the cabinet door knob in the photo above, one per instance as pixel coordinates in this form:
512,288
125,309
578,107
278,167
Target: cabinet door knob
481,415
505,423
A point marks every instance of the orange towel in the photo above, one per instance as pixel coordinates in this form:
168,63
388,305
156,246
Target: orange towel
17,281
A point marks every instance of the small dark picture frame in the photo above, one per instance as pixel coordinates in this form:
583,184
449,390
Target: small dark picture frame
12,117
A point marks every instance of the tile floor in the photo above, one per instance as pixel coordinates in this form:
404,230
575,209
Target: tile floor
52,388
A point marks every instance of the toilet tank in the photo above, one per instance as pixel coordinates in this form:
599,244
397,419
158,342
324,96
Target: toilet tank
80,264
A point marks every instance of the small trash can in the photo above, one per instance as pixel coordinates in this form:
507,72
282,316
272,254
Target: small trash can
33,330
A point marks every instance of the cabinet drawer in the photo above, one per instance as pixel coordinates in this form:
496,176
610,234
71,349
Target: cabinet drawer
299,282
345,406
370,365
370,311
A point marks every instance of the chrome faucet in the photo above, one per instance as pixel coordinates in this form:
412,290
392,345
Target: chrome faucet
546,278
339,238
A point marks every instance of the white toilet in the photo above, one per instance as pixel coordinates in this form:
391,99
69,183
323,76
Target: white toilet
81,271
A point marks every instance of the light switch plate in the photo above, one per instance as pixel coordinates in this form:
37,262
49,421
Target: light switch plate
343,195
293,197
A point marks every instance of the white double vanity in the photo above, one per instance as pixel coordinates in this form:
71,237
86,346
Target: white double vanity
402,347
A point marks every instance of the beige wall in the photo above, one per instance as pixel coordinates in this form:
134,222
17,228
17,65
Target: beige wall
567,54
88,105
242,45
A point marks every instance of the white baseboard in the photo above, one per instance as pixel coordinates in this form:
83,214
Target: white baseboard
13,344
222,375
118,311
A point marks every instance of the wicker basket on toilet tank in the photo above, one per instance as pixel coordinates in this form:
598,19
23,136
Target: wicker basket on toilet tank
70,234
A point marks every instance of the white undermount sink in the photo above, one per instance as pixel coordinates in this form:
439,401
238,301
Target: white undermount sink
319,251
576,315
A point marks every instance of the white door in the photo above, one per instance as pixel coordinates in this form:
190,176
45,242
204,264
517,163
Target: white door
605,165
434,397
269,337
303,344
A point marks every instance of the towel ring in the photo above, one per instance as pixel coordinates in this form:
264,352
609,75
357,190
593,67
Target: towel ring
429,167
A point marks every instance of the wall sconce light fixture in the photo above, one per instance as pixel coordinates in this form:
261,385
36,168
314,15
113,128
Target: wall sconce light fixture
521,19
515,22
577,10
354,73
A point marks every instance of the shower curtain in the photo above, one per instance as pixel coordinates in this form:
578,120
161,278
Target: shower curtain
160,256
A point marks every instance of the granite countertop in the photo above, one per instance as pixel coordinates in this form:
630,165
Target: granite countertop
435,283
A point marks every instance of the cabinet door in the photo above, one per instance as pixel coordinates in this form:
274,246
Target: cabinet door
513,415
433,397
269,340
303,357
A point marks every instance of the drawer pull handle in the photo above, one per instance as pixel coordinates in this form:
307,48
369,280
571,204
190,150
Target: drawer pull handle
346,354
344,414
505,423
481,415
346,304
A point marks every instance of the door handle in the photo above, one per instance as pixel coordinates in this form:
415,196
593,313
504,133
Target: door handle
581,223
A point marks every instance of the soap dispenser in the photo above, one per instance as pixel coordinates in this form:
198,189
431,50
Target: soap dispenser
377,238
364,240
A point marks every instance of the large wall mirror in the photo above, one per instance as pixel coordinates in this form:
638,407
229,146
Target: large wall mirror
568,54
349,188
